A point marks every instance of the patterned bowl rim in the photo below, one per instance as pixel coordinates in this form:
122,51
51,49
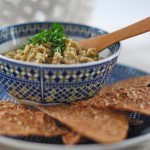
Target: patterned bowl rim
116,54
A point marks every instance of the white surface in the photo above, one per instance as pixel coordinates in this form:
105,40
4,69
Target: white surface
106,14
115,14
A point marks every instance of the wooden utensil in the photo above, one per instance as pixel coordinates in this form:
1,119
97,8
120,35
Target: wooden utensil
104,41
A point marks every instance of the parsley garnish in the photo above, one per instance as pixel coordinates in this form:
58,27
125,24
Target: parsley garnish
56,36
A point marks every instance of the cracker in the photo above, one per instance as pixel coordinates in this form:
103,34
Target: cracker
130,95
19,120
72,138
127,99
98,124
132,82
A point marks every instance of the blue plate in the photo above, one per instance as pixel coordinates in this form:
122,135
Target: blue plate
120,72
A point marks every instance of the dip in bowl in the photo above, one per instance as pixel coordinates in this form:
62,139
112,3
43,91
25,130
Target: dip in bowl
35,83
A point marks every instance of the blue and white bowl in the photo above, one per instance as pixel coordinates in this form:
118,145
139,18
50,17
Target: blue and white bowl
43,83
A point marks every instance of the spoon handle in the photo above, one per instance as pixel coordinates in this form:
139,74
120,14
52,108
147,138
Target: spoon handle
101,42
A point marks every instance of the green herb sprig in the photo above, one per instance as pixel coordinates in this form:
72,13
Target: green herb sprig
56,36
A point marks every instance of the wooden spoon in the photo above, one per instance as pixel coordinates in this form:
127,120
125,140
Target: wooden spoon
101,42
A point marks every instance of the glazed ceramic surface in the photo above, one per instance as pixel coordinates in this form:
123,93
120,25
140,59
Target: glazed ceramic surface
138,135
43,83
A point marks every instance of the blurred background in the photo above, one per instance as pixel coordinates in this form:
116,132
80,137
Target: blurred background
109,15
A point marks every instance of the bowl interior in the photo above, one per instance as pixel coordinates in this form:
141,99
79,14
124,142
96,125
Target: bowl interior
14,36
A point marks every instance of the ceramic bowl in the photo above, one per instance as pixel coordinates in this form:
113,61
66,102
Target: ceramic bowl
45,84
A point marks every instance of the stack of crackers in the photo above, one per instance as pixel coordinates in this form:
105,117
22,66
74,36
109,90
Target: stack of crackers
103,118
